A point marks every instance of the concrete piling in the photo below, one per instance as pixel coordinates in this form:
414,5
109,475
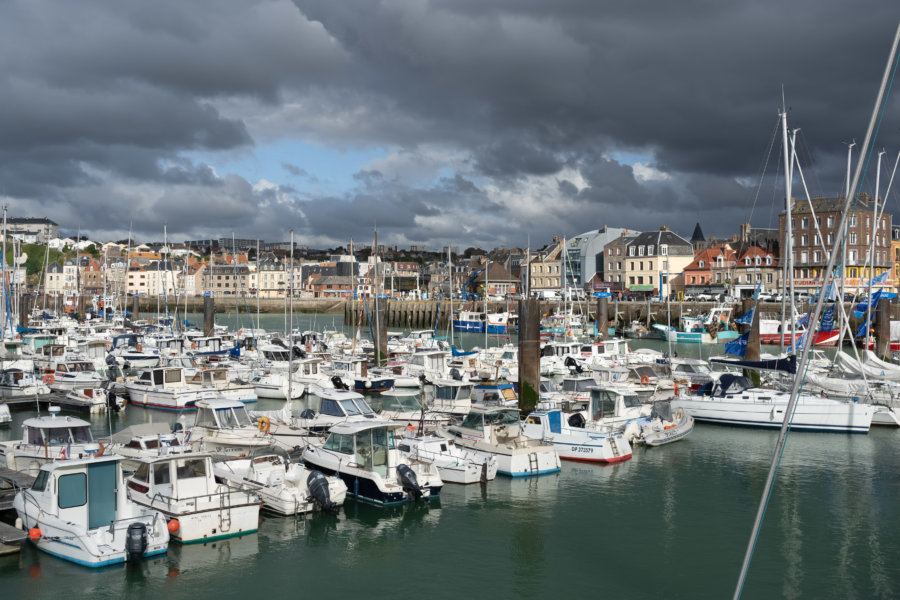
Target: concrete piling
529,354
209,316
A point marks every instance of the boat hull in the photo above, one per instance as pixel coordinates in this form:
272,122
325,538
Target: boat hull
835,416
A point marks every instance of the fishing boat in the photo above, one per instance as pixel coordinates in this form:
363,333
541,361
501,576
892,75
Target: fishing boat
469,321
196,507
275,386
48,439
732,400
284,488
455,464
365,456
79,510
354,373
574,443
497,431
405,406
709,328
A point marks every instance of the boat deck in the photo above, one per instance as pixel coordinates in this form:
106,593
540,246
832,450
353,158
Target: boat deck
19,480
10,538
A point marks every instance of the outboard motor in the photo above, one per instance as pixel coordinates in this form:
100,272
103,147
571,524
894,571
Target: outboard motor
176,427
111,401
455,375
423,380
111,360
308,414
408,481
338,383
298,352
318,489
135,542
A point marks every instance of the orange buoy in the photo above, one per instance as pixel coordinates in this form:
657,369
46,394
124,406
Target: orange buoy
34,534
48,379
173,525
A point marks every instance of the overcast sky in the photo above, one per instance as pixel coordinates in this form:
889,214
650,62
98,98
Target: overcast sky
468,122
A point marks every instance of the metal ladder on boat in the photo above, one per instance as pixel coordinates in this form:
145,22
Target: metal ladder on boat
224,514
533,462
614,446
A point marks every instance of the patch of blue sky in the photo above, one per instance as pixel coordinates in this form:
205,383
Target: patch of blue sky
631,158
320,168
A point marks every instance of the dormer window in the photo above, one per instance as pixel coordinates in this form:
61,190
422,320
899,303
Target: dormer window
768,260
650,250
663,249
758,261
641,250
746,262
701,264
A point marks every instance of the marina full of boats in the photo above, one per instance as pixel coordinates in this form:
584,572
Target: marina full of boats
204,461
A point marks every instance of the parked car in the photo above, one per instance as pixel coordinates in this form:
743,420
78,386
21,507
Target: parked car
704,297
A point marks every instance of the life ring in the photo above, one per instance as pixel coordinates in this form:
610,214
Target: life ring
140,348
48,379
645,380
193,346
263,425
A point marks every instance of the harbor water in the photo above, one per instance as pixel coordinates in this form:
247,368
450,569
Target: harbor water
672,522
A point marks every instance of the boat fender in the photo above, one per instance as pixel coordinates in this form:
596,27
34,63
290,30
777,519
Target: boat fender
173,525
632,431
264,424
48,379
34,534
368,383
193,346
645,380
135,541
676,388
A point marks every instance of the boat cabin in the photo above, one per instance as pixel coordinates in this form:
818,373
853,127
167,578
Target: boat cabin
451,390
127,342
492,392
354,366
170,345
215,378
222,414
577,387
353,405
560,349
371,445
434,361
604,347
609,403
493,425
273,353
162,377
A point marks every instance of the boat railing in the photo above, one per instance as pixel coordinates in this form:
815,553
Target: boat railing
214,499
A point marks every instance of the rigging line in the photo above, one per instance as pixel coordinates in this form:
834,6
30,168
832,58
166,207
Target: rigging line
762,173
887,94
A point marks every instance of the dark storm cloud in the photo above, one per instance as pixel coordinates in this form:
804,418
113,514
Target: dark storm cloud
519,111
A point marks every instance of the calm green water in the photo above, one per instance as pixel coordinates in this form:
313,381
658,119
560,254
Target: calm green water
672,522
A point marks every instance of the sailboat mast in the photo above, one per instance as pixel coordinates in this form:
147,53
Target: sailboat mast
450,289
377,339
291,325
789,230
873,230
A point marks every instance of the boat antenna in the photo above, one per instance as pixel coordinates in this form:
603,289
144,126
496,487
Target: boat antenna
827,275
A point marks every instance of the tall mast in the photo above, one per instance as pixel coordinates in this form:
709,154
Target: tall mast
377,293
872,231
6,315
487,264
258,286
291,326
789,230
450,288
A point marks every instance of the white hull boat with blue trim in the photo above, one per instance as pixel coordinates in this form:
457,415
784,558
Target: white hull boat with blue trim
497,431
454,463
574,443
732,401
78,510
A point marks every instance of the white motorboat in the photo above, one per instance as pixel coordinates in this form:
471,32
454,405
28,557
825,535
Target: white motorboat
78,510
452,397
365,456
455,464
496,430
575,443
336,406
275,386
197,508
217,380
283,487
145,440
92,400
223,426
16,384
165,388
130,351
405,406
5,416
733,401
71,373
48,439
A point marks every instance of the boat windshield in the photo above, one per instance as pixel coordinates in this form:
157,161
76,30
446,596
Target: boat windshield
473,420
643,372
350,408
502,417
62,435
603,404
577,385
452,392
363,406
232,417
631,401
401,403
